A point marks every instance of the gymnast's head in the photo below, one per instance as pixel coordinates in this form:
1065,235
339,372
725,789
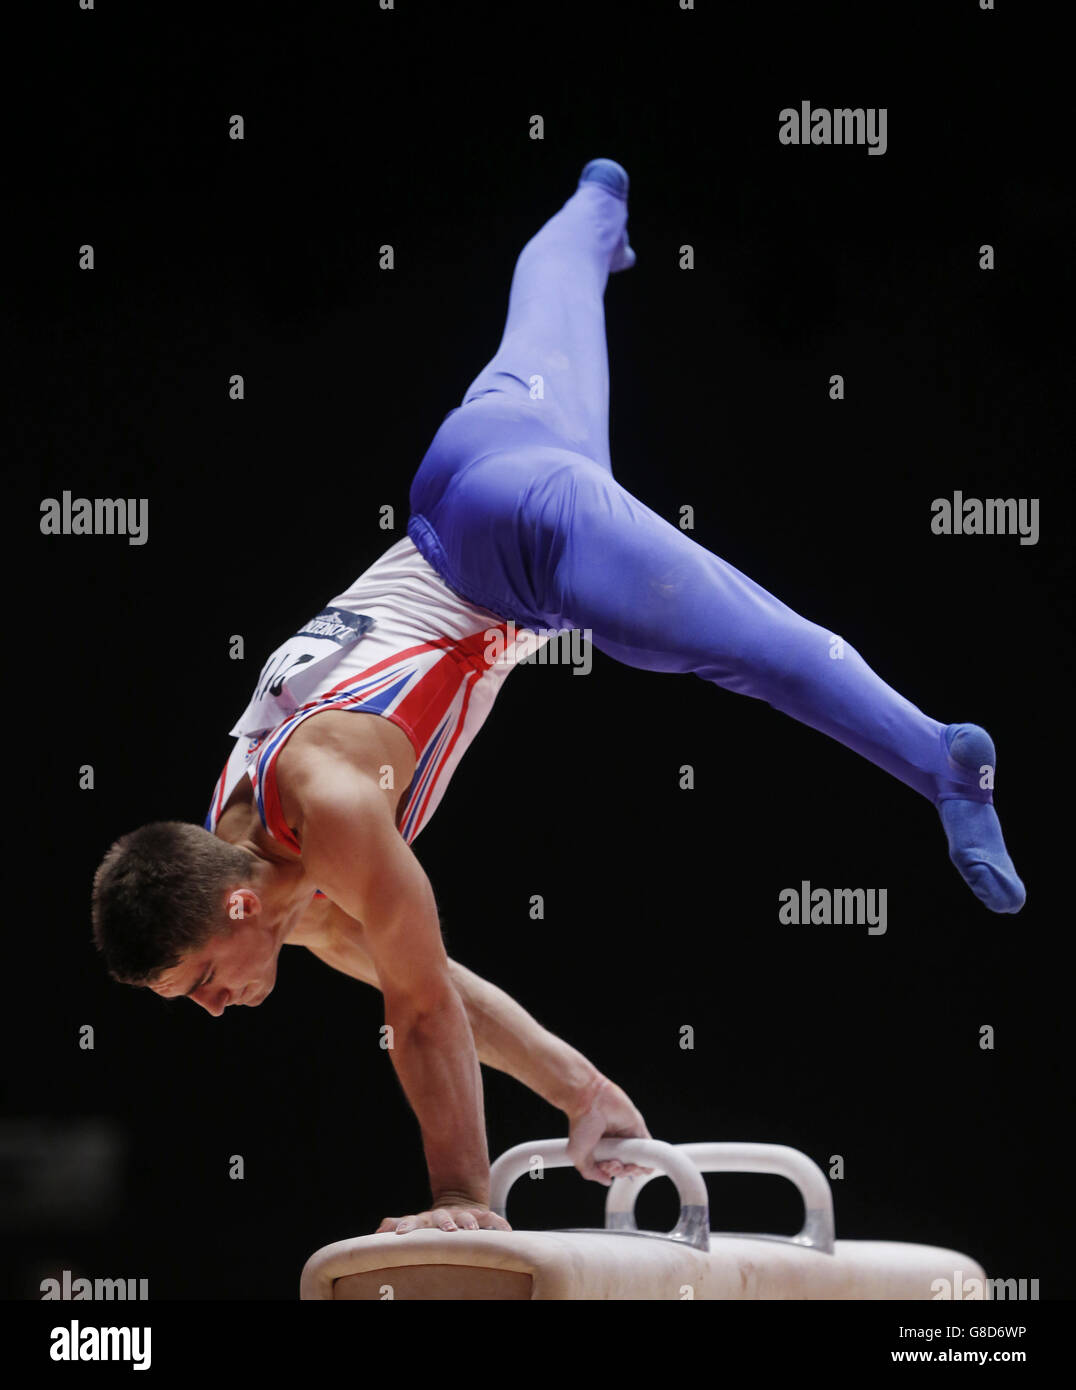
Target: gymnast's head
183,913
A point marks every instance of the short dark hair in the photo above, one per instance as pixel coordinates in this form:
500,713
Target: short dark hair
160,892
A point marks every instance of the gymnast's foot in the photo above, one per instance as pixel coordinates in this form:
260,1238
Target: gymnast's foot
976,845
614,177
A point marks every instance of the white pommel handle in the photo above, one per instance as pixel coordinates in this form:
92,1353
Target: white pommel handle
694,1223
818,1227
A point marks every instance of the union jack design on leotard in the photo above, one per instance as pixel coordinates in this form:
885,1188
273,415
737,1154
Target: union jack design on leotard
398,643
427,690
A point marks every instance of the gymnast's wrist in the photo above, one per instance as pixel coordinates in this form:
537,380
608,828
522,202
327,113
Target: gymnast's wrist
581,1086
474,1195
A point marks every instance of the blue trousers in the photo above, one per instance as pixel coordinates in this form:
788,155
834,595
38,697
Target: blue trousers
516,507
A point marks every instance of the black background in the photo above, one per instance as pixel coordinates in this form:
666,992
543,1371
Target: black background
216,257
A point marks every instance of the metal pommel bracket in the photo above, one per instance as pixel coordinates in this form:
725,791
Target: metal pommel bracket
818,1230
694,1223
685,1165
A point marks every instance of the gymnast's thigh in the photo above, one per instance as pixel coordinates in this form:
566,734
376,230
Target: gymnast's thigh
493,523
493,424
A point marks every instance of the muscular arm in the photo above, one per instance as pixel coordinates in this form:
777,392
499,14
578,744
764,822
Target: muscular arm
353,851
506,1037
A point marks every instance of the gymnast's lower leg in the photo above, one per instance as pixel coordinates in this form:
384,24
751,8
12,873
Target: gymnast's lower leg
654,598
552,360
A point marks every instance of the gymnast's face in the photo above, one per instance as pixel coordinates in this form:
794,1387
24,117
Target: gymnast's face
236,966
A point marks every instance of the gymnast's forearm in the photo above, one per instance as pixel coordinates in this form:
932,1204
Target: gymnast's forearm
508,1039
434,1056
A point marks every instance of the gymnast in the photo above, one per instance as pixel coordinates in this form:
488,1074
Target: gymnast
516,519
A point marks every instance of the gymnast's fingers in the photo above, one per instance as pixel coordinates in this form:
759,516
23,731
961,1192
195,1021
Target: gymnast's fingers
450,1218
439,1217
490,1221
613,1168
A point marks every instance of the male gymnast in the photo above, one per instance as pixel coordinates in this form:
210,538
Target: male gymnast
515,519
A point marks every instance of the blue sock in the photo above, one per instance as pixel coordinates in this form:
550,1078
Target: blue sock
976,845
614,177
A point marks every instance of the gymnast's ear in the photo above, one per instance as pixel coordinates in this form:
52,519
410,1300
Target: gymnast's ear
243,904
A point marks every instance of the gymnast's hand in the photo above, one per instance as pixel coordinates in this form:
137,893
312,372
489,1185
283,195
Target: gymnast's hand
446,1214
603,1111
